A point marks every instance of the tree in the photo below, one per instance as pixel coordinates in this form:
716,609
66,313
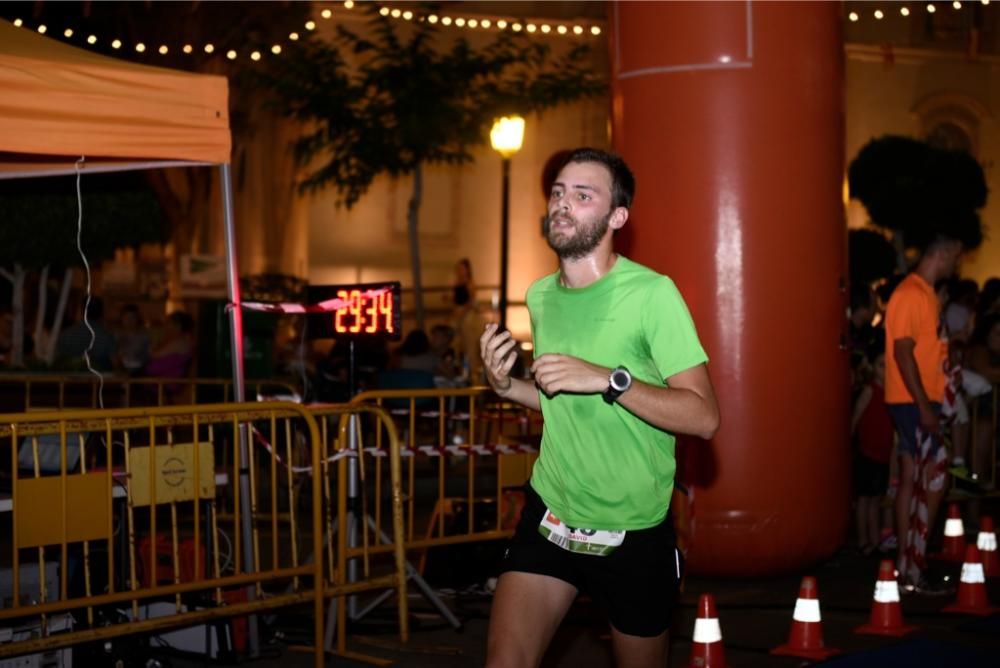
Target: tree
39,230
406,101
919,192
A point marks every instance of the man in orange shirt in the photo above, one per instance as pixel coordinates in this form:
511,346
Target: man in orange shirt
915,378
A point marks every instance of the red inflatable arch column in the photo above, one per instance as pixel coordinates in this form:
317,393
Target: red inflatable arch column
732,116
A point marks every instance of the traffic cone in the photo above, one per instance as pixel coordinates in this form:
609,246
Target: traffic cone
987,544
972,587
887,615
953,546
707,650
806,637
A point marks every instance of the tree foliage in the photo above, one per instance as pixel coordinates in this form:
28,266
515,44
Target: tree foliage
920,191
871,257
402,98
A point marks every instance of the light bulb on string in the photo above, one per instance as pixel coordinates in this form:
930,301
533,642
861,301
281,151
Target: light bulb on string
485,23
546,28
67,33
878,14
561,30
905,11
460,22
956,4
577,30
92,39
516,27
432,18
396,13
349,4
140,47
310,25
18,23
116,44
532,27
384,11
473,23
255,56
293,36
326,13
931,9
42,29
407,15
446,21
594,30
502,24
276,49
163,50
231,54
209,48
188,49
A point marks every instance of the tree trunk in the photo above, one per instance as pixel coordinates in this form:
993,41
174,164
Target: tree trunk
43,295
17,335
50,352
412,218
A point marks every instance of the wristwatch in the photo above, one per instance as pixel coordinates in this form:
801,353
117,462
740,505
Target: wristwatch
618,382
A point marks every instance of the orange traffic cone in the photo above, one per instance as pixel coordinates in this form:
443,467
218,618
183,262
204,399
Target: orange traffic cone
972,587
953,547
706,645
806,636
887,615
987,544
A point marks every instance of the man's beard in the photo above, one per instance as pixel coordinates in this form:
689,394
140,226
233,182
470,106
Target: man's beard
580,244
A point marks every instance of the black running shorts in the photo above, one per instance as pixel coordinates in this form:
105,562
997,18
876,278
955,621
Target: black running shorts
637,584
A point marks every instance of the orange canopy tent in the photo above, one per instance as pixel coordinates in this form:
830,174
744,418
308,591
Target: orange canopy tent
65,110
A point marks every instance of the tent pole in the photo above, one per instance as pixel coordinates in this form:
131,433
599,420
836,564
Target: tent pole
239,393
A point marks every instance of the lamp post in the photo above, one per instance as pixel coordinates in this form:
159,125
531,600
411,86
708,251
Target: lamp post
505,138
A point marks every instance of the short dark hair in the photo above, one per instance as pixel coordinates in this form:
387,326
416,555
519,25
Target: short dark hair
622,179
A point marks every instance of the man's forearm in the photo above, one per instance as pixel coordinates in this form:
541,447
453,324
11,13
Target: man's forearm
911,379
523,392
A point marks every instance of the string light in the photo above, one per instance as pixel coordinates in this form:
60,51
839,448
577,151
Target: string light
231,54
878,14
67,33
42,29
384,11
532,27
209,48
293,36
460,22
595,30
931,9
255,56
92,39
407,15
546,28
163,50
18,23
516,27
485,23
276,49
349,4
117,44
432,18
905,11
956,4
561,30
446,21
188,49
310,25
140,47
502,24
396,13
326,13
473,23
853,16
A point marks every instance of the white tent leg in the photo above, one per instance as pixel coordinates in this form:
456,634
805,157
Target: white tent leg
239,393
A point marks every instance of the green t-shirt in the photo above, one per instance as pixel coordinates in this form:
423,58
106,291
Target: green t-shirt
600,466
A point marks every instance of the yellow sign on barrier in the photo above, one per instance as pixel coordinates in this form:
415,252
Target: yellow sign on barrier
171,476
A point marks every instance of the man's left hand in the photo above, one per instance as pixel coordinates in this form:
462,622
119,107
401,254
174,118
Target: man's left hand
562,373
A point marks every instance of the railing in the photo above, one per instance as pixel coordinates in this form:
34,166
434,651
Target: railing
25,392
129,499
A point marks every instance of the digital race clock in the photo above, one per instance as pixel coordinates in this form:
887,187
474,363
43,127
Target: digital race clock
356,311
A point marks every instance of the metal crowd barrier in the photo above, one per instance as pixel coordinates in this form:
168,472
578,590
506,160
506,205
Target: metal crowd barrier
24,392
979,422
464,453
114,522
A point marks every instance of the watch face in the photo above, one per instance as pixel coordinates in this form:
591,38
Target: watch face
621,380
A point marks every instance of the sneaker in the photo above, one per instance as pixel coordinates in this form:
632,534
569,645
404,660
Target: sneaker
925,587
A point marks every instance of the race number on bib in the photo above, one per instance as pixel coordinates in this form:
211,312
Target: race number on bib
585,541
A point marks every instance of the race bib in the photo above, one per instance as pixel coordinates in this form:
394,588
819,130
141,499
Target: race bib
597,542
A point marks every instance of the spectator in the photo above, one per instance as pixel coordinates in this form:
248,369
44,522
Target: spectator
984,360
173,355
132,352
75,340
415,353
873,431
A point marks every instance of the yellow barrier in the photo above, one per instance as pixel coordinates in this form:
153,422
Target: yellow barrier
473,451
23,392
72,512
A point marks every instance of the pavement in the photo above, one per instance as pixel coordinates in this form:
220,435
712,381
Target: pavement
755,616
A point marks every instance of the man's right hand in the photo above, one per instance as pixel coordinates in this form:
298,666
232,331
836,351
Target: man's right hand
499,354
929,420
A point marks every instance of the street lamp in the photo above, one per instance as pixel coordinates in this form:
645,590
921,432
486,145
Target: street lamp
505,137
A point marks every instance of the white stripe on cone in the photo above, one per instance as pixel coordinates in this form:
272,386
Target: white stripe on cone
987,541
886,591
806,610
972,573
707,631
953,528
